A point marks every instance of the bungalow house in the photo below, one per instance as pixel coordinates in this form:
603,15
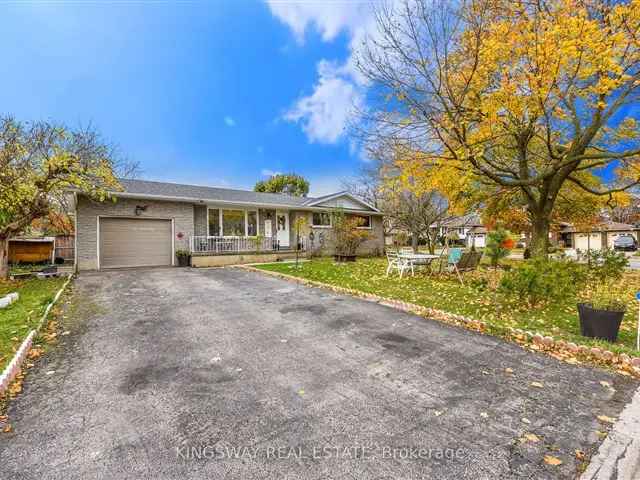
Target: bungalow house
600,236
150,221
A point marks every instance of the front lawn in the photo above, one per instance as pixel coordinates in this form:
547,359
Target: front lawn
18,318
474,299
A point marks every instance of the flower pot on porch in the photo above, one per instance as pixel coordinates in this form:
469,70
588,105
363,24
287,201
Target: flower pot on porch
595,323
184,260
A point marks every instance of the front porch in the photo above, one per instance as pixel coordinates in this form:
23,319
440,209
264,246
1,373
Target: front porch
218,251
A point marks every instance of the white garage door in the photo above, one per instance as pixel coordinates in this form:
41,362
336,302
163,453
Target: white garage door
583,243
135,242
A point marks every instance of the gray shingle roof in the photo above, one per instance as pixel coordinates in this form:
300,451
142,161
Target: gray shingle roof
175,190
468,220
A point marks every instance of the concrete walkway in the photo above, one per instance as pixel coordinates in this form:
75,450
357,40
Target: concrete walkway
619,456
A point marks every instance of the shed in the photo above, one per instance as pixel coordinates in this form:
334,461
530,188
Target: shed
31,250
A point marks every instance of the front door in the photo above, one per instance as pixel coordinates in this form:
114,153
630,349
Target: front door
282,226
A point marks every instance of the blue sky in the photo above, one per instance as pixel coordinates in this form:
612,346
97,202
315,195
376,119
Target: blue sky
205,92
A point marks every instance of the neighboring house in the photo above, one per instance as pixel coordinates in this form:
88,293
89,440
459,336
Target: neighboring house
150,221
468,229
602,235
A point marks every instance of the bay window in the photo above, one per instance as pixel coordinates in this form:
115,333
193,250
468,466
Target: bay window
214,222
252,223
232,222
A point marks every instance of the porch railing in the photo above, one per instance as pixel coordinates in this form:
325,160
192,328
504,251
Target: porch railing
221,245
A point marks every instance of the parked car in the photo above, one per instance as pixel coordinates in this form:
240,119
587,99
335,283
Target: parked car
625,243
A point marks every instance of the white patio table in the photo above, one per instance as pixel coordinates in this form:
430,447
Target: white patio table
417,259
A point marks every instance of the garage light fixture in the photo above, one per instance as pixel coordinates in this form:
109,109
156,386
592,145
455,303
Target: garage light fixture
140,209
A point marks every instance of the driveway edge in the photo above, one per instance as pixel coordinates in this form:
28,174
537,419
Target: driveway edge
14,366
619,455
623,363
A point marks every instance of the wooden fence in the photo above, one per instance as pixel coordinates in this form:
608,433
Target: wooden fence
65,247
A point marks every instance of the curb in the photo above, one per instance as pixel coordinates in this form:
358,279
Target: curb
9,299
14,366
619,455
623,363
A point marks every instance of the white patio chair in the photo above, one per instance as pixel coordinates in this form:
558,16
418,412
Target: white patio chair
393,262
408,250
396,262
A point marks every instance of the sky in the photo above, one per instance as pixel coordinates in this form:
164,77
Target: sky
207,92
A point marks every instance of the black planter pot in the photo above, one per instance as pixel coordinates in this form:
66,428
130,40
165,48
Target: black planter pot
344,258
184,260
603,324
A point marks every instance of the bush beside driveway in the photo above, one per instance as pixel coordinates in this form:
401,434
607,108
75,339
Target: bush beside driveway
161,363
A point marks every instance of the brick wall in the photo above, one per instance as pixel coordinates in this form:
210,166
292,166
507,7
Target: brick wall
87,212
323,238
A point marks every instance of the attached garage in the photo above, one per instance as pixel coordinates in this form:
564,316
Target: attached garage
583,243
134,242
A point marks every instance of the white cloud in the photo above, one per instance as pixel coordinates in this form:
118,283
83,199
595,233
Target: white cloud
229,122
324,113
265,172
328,17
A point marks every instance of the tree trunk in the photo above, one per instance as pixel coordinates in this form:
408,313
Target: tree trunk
431,242
4,258
414,241
540,236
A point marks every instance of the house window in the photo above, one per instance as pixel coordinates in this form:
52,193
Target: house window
364,221
233,223
321,219
214,222
252,223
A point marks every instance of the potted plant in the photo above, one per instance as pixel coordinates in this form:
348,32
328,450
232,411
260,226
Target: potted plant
348,236
184,258
601,314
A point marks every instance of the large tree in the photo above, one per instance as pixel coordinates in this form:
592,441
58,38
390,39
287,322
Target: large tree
40,163
524,96
288,183
409,208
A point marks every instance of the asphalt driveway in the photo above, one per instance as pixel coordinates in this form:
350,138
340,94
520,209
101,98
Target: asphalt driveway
224,373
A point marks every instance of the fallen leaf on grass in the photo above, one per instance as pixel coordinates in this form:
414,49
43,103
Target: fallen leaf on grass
605,419
601,434
529,437
7,429
580,455
508,370
551,460
537,384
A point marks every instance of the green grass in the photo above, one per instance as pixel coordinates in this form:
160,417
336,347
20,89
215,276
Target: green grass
445,293
17,268
18,318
